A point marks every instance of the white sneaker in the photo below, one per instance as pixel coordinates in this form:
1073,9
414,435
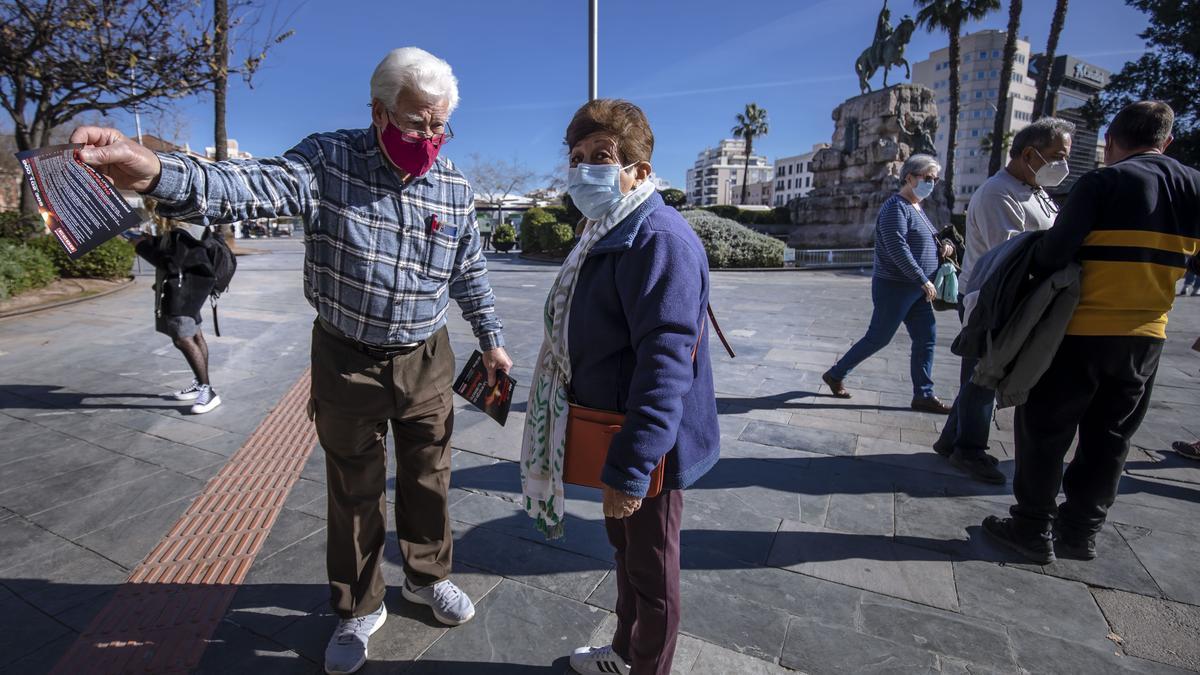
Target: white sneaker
593,660
206,400
347,649
190,393
450,605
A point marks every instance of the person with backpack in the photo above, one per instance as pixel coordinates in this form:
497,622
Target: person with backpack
186,275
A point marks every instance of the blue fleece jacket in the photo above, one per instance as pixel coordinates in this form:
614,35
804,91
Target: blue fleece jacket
637,312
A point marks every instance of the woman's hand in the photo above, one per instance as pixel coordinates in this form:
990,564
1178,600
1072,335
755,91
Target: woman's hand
930,291
619,505
947,250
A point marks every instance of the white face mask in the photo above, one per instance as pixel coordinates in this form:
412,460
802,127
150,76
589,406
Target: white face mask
1051,174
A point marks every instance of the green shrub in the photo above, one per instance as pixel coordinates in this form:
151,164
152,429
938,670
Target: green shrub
674,198
533,225
111,260
558,212
557,239
724,210
504,234
19,226
729,244
782,214
23,268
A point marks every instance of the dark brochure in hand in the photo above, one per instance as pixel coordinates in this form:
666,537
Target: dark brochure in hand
472,385
79,207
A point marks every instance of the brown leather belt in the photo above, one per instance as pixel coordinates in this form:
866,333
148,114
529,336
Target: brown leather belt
377,352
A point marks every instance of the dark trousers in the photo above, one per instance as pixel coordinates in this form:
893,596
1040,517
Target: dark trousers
1100,387
647,572
355,398
897,302
968,426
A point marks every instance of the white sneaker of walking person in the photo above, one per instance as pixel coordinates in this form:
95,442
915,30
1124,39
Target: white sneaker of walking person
188,394
450,605
347,649
206,399
591,660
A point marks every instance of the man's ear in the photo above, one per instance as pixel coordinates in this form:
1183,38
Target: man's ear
379,114
1170,140
643,170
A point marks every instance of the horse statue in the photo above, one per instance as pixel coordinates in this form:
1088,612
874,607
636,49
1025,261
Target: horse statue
887,51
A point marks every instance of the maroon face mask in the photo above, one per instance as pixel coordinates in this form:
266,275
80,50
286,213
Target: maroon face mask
412,158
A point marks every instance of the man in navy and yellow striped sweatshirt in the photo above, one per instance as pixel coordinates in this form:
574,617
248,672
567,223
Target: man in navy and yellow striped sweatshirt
1132,226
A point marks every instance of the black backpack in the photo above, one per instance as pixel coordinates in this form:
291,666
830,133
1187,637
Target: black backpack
224,265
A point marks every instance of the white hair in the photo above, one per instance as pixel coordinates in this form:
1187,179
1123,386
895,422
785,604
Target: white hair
414,69
918,164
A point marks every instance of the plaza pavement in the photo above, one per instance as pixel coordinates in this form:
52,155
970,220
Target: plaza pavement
828,539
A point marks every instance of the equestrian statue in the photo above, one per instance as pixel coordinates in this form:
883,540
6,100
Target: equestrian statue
887,51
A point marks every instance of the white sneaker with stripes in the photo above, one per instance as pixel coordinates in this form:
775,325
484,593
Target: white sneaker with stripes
591,660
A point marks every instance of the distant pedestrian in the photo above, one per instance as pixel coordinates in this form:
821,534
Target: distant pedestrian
1008,203
485,235
1191,278
1132,226
184,280
907,256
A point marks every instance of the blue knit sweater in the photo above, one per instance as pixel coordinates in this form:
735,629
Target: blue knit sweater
906,246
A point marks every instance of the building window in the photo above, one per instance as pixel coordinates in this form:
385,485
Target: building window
966,58
974,133
979,93
995,53
993,74
983,55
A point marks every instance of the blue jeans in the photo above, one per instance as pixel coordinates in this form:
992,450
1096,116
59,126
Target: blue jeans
897,302
969,424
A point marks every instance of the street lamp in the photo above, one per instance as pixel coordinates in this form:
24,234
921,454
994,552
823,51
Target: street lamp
593,47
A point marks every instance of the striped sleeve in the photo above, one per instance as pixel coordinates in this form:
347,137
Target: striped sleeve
892,232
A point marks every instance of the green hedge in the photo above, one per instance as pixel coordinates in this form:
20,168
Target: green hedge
557,239
533,223
18,226
780,215
674,198
23,268
729,244
111,260
504,234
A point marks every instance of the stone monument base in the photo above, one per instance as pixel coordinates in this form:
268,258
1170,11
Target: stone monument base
874,134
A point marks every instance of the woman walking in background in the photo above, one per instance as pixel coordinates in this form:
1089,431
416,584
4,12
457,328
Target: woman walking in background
907,253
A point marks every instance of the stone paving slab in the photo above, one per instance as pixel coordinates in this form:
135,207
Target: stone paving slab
828,539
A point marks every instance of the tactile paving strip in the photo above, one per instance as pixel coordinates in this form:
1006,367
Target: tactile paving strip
161,618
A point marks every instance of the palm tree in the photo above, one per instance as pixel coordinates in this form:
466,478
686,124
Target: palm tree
1056,26
750,125
1010,55
986,145
949,16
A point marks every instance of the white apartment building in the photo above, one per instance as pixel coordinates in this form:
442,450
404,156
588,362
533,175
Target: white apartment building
794,176
716,178
981,58
232,149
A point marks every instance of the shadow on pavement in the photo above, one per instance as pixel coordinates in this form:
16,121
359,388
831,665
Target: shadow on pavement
52,397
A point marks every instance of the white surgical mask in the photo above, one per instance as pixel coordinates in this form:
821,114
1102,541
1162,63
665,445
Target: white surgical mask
1052,173
595,188
924,188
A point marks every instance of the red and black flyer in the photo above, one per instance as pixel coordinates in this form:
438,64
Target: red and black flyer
80,207
472,385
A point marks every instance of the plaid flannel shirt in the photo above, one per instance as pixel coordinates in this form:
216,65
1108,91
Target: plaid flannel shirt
381,259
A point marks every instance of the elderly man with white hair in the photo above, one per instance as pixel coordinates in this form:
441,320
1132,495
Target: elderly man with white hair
390,236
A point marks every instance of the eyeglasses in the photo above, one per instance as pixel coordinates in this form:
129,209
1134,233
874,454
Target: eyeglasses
414,136
928,179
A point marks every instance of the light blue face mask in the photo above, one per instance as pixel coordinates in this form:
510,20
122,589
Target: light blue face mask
595,188
924,188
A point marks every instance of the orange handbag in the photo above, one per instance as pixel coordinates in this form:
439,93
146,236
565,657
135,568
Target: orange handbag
590,432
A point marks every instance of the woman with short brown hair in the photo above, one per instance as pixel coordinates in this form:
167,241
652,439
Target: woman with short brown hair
624,333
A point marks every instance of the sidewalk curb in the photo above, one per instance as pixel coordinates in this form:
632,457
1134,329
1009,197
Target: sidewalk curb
129,282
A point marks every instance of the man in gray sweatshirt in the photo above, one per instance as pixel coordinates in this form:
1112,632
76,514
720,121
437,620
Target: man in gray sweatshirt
1009,203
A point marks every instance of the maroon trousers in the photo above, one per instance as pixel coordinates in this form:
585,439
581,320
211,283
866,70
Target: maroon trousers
647,572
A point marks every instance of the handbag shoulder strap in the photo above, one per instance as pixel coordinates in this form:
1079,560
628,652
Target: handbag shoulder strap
716,326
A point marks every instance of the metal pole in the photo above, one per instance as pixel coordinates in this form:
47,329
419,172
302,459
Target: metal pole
593,47
137,119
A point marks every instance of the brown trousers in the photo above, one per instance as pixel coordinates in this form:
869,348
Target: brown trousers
647,557
354,399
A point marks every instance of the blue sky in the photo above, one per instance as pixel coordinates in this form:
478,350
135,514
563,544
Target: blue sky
522,68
